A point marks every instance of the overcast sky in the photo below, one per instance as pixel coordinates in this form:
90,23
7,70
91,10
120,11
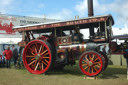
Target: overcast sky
66,9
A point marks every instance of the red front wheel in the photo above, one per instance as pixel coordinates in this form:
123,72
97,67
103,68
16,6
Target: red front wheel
91,63
37,56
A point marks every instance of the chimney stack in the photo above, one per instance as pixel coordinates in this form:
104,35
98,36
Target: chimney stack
90,8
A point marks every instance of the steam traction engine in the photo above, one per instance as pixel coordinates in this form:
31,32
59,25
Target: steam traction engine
57,44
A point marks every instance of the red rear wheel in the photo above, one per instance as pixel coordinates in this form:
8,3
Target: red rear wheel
37,56
91,63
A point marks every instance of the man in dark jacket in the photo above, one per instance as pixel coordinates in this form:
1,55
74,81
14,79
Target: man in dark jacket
15,54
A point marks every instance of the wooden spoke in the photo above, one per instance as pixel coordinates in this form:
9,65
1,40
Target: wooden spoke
97,66
84,64
32,62
85,67
36,66
30,56
33,59
36,46
93,57
40,49
36,50
31,51
95,69
44,52
45,57
96,59
86,58
90,57
88,69
92,70
44,63
42,66
85,61
97,63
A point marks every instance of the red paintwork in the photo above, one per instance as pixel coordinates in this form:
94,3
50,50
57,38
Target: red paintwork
43,37
7,28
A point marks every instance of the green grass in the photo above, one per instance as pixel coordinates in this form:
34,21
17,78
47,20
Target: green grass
113,75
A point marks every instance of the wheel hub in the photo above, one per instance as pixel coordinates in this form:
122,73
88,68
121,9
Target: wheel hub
38,56
90,63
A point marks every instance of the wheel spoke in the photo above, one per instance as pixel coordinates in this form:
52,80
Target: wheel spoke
36,46
93,57
32,62
33,59
45,57
42,66
85,67
44,52
40,49
84,64
30,56
86,58
97,63
44,63
95,69
97,66
85,61
88,69
96,59
31,51
90,57
37,66
35,50
92,70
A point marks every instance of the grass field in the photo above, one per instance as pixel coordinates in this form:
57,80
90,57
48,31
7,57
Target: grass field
113,75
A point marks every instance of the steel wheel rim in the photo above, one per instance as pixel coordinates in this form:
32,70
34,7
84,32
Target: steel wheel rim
91,64
39,60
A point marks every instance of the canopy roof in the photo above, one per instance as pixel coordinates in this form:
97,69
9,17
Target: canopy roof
66,25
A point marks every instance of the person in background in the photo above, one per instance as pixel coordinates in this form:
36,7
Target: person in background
0,60
77,36
15,54
8,55
3,60
104,49
19,57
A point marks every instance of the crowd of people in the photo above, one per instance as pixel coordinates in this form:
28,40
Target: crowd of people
8,54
